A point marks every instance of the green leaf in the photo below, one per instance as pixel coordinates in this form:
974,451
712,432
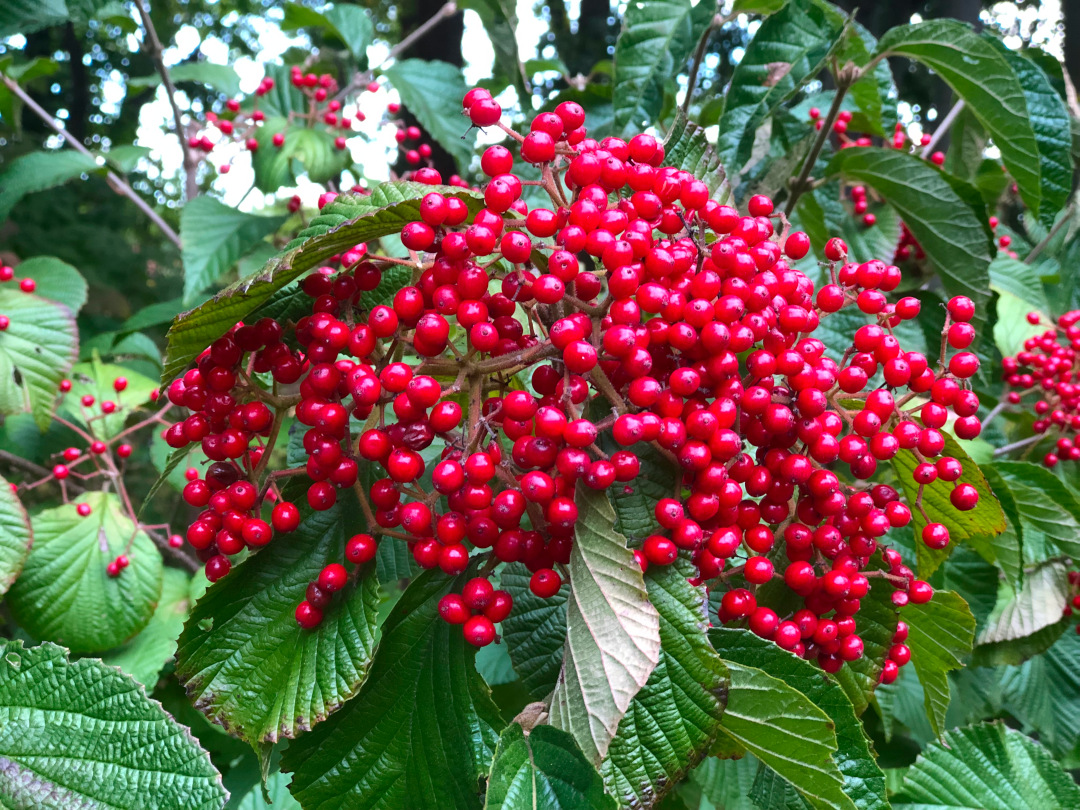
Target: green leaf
783,728
38,171
96,379
153,315
304,151
389,208
222,78
145,655
37,351
1027,622
1050,122
956,241
990,767
789,49
15,536
940,633
1040,506
674,720
125,157
64,593
543,769
432,91
635,510
351,25
214,237
535,631
613,631
980,527
276,790
420,733
757,6
83,734
687,147
656,40
874,94
245,661
501,23
721,783
55,280
864,783
979,75
26,16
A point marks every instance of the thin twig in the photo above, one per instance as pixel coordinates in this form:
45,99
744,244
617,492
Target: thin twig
191,184
118,184
1017,445
943,127
1066,215
361,78
718,21
844,80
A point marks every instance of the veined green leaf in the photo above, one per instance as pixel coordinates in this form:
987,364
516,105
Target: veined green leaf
432,91
38,171
15,536
83,734
613,631
535,631
55,280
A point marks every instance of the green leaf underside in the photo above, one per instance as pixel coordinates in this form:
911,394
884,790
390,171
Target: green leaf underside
245,661
613,631
1050,123
789,48
673,721
214,237
37,351
544,770
96,379
64,593
38,171
55,280
784,729
983,78
420,733
432,91
354,220
535,631
980,527
1041,508
145,655
1038,605
656,40
940,635
15,536
986,767
864,782
956,241
83,734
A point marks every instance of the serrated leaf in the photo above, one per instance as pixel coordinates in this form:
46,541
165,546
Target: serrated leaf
276,790
55,280
984,80
126,157
83,734
26,16
15,536
214,237
981,527
635,509
144,656
613,631
956,241
940,634
64,593
534,632
222,78
874,94
1039,504
990,767
432,91
687,147
420,733
351,25
389,208
657,38
543,770
1050,123
246,662
789,48
172,463
38,171
717,783
864,782
501,23
784,729
1038,605
673,721
304,151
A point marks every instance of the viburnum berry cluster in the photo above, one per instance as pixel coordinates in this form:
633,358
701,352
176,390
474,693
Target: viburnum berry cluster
1044,371
550,349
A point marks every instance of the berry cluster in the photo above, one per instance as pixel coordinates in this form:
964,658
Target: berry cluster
1045,368
27,285
636,318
